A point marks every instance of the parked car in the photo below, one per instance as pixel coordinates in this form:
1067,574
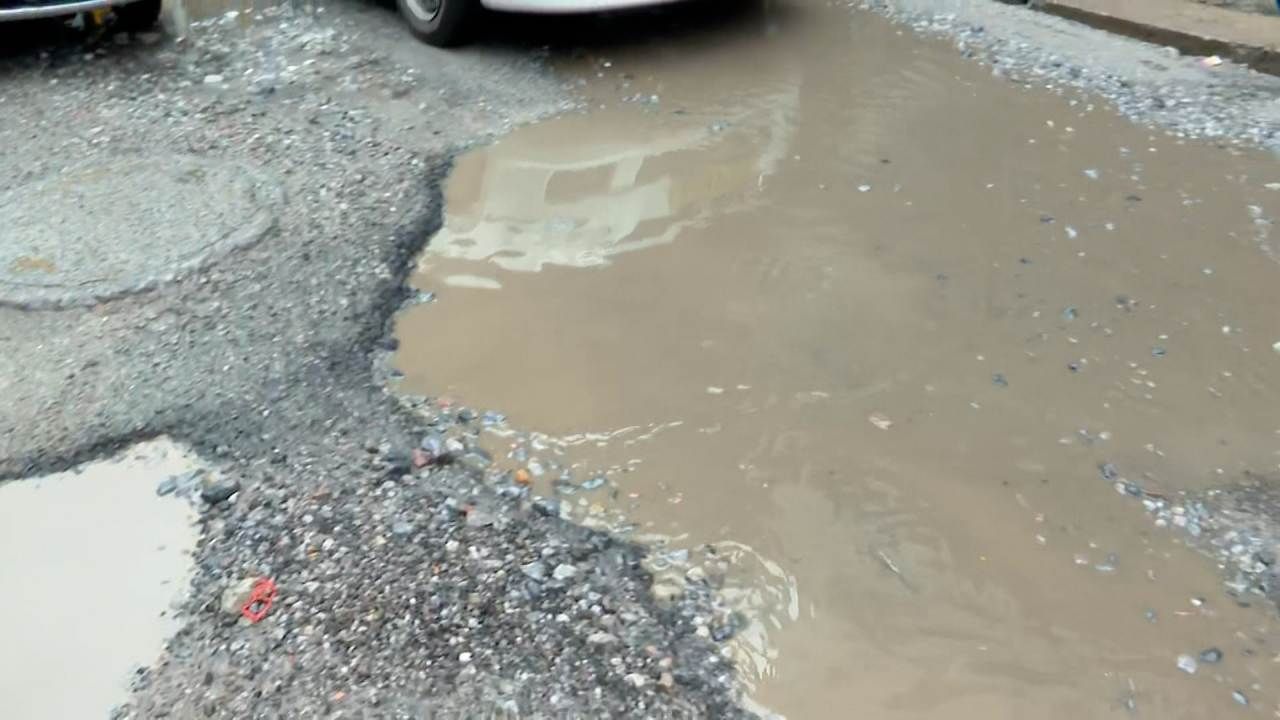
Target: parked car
445,22
129,14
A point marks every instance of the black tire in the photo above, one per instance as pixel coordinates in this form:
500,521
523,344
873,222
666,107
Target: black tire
446,27
138,15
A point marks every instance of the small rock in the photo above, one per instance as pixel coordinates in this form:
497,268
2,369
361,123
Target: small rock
236,596
1107,566
398,463
1211,655
880,421
476,461
1070,313
1109,471
666,681
547,506
534,570
419,458
593,483
601,638
1158,351
667,593
464,657
1240,697
265,85
1187,664
479,518
401,528
564,571
218,490
167,486
636,680
213,79
433,444
998,379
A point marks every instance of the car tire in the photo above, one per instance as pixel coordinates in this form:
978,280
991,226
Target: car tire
443,23
138,15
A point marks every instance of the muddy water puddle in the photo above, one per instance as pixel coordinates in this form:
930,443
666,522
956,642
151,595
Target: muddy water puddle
868,321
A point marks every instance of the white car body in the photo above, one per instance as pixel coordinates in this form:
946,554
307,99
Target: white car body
55,8
567,6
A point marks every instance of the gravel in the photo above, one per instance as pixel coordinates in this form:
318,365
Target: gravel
1236,525
1148,84
404,588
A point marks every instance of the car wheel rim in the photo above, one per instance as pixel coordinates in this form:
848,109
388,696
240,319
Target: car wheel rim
425,10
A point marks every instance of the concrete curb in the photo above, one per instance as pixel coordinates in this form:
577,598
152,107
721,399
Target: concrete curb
1244,38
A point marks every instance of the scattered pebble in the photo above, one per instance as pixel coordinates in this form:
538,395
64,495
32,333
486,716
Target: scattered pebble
880,421
1187,664
215,490
1211,655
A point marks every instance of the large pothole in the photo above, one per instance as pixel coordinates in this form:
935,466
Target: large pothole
97,231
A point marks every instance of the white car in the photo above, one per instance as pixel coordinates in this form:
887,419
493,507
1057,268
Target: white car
445,22
129,14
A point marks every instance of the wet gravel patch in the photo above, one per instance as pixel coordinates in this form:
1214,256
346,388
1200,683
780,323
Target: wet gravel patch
433,583
403,583
1147,84
1238,526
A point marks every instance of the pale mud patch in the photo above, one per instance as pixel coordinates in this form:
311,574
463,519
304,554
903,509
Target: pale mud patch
92,563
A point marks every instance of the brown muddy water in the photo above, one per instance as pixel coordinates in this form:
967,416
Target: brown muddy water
865,321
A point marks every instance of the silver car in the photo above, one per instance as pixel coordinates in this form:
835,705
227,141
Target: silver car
129,14
446,22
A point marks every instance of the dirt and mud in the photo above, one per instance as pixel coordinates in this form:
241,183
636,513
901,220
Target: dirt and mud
910,344
856,342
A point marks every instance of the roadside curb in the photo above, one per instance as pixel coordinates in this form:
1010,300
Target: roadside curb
1246,39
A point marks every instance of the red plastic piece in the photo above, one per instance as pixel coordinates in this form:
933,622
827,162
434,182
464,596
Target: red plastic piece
260,599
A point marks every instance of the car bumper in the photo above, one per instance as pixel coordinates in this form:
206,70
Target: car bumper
568,6
33,10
